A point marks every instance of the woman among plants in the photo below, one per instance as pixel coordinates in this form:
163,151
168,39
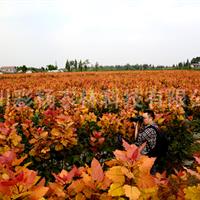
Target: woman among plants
156,143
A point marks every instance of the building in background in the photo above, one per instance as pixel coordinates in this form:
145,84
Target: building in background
8,69
195,65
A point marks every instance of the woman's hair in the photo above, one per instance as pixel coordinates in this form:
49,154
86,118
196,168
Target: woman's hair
150,113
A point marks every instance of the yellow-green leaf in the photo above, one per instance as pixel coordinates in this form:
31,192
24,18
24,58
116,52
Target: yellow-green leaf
161,120
192,193
116,190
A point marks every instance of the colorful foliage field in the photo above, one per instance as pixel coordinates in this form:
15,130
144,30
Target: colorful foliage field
69,135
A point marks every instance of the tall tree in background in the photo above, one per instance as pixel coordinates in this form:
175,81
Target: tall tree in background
187,63
71,63
128,66
67,66
85,64
96,66
75,65
180,65
80,66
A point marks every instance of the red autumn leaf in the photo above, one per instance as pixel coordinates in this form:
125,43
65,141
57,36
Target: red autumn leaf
62,177
193,173
197,159
5,189
101,140
20,177
7,157
97,171
125,144
29,177
76,186
65,177
120,155
13,181
74,171
135,154
97,134
131,150
42,182
17,162
180,173
161,178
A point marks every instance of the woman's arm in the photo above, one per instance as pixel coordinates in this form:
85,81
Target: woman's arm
136,130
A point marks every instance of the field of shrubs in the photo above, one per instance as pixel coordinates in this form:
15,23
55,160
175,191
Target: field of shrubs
69,135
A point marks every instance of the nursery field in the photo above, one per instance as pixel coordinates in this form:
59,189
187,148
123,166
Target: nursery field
69,135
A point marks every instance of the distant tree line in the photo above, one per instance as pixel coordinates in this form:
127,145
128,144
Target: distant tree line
79,65
24,68
188,64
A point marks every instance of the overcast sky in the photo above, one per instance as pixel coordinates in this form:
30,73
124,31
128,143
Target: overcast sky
41,32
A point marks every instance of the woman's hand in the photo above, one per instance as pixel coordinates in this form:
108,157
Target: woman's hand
134,123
